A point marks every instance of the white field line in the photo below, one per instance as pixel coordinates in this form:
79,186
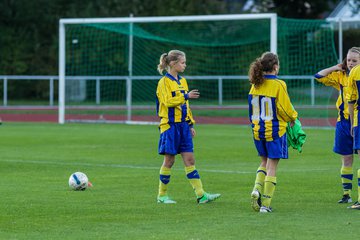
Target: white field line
151,168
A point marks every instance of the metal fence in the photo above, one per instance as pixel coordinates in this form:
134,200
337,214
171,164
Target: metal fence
53,80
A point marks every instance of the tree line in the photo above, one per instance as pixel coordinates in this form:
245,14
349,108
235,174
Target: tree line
29,29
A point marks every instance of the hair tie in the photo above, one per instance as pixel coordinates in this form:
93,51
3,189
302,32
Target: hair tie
165,58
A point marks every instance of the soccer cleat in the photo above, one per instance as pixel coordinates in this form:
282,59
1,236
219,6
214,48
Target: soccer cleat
345,199
208,197
356,205
256,200
264,209
165,199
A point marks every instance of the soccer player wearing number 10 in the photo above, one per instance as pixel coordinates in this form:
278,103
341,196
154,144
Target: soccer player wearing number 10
270,110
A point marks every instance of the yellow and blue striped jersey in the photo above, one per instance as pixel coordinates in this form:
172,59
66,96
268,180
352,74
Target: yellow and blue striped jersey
339,81
172,103
353,93
270,109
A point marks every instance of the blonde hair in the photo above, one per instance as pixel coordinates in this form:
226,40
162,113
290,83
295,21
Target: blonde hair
265,63
167,58
344,65
355,50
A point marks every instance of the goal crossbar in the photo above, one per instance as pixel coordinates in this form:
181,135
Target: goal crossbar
225,17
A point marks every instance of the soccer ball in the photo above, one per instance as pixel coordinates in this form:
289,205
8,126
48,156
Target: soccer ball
78,181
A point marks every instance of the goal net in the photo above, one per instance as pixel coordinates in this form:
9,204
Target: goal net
107,67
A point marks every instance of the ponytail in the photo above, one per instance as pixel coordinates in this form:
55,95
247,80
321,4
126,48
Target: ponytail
163,63
256,73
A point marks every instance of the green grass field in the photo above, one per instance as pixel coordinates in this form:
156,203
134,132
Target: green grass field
123,164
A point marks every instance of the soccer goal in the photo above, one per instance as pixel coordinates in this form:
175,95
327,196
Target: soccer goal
107,66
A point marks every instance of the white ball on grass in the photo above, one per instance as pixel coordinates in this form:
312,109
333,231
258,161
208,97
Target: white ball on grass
78,181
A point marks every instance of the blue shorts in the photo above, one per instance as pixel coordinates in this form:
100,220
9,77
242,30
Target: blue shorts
176,139
357,137
344,142
273,149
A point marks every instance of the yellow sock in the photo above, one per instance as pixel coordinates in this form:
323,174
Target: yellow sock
260,178
346,179
194,179
358,175
165,174
269,188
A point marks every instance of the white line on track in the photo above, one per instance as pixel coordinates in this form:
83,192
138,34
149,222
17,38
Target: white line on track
153,168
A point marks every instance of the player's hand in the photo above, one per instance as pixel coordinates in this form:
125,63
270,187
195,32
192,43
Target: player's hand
194,94
338,67
193,132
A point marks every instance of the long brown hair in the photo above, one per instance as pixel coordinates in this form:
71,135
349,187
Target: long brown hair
265,63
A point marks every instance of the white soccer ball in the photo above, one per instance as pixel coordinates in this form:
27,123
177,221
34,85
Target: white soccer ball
78,181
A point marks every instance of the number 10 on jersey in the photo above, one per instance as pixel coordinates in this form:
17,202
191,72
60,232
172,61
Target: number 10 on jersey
261,109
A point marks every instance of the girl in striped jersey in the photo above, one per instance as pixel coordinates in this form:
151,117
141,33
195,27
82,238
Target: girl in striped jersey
270,110
353,98
176,125
337,77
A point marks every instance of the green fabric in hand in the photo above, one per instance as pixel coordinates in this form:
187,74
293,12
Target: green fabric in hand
295,135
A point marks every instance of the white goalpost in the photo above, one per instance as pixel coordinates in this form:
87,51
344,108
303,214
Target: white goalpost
67,72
